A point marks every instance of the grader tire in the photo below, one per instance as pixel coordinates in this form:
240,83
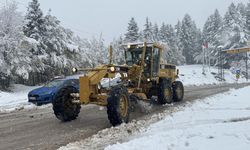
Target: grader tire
63,107
178,91
165,95
118,108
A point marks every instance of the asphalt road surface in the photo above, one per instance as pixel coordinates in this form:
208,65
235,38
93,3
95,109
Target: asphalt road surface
39,129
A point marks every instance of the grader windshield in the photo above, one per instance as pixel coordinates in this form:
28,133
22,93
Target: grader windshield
133,55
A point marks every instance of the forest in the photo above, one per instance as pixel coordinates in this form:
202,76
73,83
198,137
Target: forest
35,47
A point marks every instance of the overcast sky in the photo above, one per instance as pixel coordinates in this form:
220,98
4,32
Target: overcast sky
90,18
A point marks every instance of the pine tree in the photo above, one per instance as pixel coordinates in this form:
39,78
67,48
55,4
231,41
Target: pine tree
212,35
212,28
234,26
118,51
14,59
248,22
148,31
178,32
155,32
34,21
174,54
132,34
51,39
162,33
189,39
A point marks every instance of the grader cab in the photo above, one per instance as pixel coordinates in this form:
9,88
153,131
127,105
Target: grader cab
142,77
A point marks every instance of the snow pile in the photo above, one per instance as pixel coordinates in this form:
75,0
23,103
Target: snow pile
218,122
16,100
192,75
113,134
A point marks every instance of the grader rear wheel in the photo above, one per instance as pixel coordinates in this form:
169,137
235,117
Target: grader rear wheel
64,108
118,108
178,91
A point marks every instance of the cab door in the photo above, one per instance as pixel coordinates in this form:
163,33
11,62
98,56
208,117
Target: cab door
155,63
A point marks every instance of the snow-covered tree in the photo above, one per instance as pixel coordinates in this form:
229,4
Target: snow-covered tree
13,59
118,51
168,38
234,27
34,21
178,32
162,33
248,21
212,36
132,34
148,31
155,32
189,39
93,52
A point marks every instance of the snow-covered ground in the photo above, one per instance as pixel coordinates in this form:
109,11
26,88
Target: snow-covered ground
192,75
17,99
189,75
218,122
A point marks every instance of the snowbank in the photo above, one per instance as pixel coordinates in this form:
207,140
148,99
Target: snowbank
17,99
218,122
192,75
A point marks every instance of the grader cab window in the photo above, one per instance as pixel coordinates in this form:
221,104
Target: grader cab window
134,56
155,61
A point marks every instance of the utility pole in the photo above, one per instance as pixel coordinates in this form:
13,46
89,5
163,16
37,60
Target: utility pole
204,48
220,66
246,66
203,66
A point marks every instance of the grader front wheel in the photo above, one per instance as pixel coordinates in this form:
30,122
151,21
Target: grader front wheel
118,108
64,108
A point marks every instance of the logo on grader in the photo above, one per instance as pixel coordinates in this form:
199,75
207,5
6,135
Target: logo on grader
142,77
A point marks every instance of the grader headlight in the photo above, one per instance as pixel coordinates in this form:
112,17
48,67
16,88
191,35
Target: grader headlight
74,70
112,69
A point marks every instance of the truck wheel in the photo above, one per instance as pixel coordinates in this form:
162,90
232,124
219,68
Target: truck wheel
64,108
178,91
165,94
118,108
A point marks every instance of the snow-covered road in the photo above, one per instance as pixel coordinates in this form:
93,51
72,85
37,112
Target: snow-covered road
39,129
217,122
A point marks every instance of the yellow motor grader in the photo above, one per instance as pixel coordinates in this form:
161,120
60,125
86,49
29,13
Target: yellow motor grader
142,77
